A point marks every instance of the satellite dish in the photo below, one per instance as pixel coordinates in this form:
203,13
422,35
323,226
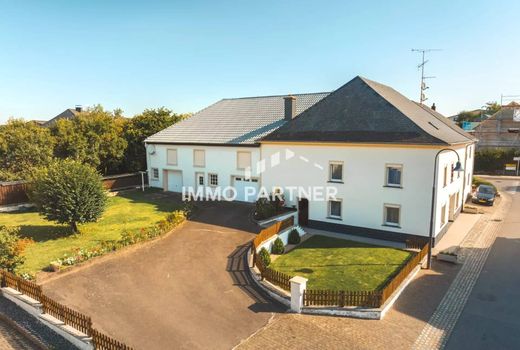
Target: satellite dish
151,149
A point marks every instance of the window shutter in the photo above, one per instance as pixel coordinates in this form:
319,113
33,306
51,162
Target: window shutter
172,156
243,160
199,157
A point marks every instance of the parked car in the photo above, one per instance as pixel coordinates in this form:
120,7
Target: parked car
485,194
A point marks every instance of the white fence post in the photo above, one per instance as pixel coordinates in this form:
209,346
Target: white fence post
298,286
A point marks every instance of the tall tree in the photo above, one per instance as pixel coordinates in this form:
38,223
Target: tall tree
23,146
139,128
94,137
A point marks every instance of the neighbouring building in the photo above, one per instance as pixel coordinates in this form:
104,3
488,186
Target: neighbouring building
69,113
373,145
501,130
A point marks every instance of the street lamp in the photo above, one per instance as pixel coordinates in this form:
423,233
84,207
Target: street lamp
458,168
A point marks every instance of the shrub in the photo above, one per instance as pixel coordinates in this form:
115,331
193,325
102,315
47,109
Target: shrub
477,181
10,248
264,209
264,256
278,247
294,237
68,192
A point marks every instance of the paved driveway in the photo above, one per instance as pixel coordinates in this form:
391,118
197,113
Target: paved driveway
189,290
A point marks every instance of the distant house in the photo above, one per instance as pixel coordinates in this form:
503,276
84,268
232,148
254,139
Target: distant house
69,113
501,130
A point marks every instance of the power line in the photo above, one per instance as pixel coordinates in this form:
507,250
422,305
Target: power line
422,96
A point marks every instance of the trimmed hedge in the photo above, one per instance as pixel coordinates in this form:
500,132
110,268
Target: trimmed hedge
278,247
294,237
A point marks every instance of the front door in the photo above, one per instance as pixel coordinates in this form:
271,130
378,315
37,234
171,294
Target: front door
200,180
303,211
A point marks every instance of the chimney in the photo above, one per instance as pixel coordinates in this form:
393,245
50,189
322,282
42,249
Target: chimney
434,107
290,107
78,108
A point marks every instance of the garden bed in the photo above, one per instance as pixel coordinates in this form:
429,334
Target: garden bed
337,264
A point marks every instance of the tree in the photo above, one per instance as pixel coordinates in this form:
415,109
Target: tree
10,249
492,107
141,126
68,192
23,146
94,137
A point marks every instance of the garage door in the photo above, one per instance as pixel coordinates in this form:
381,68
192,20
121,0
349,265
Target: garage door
174,181
241,184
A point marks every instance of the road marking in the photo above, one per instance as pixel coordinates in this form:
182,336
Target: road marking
516,188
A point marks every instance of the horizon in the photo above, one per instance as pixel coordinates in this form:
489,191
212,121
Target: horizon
186,56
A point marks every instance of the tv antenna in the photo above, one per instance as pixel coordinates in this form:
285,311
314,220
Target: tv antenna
422,96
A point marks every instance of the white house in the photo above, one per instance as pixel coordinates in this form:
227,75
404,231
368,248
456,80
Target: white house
376,148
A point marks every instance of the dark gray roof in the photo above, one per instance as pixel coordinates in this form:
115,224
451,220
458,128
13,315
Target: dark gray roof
234,121
364,111
69,113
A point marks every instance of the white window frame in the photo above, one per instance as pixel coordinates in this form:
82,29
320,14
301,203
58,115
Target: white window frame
250,160
331,163
329,209
168,157
385,221
209,179
445,176
153,170
195,165
387,172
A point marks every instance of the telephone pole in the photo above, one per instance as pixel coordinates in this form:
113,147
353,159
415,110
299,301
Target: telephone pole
423,88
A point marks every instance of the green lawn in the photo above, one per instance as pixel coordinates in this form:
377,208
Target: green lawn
129,211
338,264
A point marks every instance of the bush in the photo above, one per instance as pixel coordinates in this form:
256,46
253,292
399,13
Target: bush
68,192
294,237
278,247
10,248
264,256
264,209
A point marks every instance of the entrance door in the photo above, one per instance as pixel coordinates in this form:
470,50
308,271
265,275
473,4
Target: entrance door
303,211
451,213
200,180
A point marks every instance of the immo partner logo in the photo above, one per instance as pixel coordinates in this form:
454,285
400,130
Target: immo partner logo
250,191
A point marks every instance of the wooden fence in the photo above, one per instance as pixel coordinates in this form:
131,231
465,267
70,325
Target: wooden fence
272,230
395,282
25,287
341,298
15,192
61,312
103,342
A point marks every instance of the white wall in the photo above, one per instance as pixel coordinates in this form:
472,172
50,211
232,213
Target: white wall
221,160
363,192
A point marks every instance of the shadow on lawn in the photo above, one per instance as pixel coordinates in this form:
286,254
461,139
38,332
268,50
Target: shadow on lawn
42,233
163,201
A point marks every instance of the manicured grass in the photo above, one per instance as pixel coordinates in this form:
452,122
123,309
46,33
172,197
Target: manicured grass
128,211
338,264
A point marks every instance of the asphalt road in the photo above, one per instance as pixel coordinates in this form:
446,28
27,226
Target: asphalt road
491,318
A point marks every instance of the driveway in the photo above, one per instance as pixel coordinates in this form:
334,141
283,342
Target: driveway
189,290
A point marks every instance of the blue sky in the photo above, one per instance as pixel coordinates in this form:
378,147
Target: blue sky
187,54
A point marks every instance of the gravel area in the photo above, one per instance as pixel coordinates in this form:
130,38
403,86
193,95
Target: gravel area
34,327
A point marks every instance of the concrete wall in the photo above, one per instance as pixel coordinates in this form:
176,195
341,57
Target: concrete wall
363,192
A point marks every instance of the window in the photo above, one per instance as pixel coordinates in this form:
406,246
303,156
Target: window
393,175
443,215
457,197
452,174
199,158
336,172
335,209
392,214
155,173
445,176
213,179
171,155
243,160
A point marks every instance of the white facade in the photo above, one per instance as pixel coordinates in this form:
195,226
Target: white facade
220,163
363,190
